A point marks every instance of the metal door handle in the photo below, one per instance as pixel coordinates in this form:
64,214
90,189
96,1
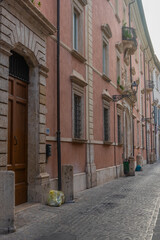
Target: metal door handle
15,140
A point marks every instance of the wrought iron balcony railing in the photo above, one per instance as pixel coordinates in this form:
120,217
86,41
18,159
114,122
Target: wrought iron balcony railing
129,36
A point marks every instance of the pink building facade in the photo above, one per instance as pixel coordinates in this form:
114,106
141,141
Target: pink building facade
97,68
105,49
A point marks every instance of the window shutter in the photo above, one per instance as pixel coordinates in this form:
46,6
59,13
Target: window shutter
155,115
159,117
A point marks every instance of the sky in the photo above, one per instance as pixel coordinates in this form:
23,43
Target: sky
152,14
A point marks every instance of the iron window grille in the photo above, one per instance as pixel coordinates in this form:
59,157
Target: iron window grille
18,67
77,116
106,124
119,129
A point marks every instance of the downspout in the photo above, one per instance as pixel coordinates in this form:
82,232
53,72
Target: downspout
145,103
131,79
150,106
58,98
115,157
155,134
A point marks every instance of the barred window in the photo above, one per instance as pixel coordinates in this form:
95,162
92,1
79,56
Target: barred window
75,29
106,124
77,116
105,58
142,136
119,128
137,134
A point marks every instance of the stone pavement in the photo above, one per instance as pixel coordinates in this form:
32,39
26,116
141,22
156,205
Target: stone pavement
124,209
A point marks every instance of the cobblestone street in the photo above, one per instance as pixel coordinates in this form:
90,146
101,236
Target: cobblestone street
126,208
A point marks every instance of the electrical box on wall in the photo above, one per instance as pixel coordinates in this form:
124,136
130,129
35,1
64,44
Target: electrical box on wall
48,150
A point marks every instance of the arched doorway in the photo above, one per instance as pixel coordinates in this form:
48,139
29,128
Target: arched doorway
18,124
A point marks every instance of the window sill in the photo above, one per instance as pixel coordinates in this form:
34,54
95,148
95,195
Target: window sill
107,143
79,140
78,56
107,79
120,144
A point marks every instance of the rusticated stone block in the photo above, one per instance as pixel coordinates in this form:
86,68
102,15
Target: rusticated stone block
7,201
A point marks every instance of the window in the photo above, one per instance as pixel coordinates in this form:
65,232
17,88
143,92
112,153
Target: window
77,116
106,35
78,89
78,28
155,115
118,71
142,108
119,123
159,117
126,76
141,63
75,29
106,116
105,58
106,124
142,136
137,134
119,128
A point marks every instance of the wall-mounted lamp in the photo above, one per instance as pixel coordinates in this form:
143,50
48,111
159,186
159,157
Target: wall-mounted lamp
134,87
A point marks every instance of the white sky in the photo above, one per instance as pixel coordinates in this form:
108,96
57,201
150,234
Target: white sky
152,14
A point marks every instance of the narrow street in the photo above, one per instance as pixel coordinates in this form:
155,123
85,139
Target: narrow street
124,209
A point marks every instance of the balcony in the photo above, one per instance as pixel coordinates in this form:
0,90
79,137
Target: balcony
129,40
127,90
149,85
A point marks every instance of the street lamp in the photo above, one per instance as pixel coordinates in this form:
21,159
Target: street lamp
134,87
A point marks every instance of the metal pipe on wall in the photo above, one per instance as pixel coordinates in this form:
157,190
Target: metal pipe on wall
58,99
144,56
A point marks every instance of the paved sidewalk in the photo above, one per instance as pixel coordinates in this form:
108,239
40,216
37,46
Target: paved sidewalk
124,209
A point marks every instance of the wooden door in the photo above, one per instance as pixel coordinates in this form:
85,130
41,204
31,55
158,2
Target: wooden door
17,136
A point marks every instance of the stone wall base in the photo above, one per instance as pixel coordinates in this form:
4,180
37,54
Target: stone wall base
7,201
107,174
38,192
80,179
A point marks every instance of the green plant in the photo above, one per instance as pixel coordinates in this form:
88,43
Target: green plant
118,80
39,3
127,34
121,87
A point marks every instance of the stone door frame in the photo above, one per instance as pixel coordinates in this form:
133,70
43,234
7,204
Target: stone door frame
29,40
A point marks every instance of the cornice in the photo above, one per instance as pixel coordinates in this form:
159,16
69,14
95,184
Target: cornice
27,9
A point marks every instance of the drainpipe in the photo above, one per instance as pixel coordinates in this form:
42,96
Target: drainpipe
155,134
145,103
131,79
130,26
115,157
150,106
58,98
